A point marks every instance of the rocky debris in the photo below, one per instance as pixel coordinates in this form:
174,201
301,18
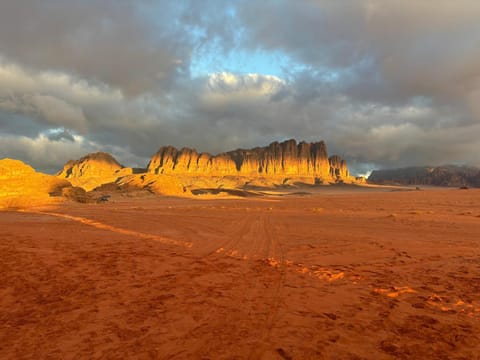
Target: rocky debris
77,194
277,159
360,180
449,175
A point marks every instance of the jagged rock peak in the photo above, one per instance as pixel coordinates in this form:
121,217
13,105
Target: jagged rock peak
287,158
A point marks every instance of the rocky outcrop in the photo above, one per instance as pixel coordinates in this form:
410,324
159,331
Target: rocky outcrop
93,170
285,159
91,165
338,168
450,175
22,187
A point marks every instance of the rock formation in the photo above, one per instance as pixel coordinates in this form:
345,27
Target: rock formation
22,187
338,168
93,170
286,159
169,160
449,175
179,172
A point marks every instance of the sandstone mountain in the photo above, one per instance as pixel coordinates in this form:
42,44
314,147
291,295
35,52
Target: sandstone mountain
449,175
286,159
21,186
93,170
179,172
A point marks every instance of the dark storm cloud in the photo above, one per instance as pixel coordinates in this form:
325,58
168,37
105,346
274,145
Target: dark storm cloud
409,72
13,124
108,41
383,82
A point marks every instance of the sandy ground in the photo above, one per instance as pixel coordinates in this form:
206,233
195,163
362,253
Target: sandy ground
334,275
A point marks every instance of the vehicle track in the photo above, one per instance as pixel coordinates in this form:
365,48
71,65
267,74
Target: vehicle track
275,257
118,230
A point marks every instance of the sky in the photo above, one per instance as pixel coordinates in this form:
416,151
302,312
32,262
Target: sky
385,83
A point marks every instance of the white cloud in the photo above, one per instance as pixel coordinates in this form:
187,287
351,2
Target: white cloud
43,153
226,88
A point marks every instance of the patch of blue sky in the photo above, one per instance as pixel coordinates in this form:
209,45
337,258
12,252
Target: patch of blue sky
239,61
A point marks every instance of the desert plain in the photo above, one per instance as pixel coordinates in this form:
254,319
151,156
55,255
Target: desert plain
340,272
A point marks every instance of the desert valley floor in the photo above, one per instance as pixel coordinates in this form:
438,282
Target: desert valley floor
336,274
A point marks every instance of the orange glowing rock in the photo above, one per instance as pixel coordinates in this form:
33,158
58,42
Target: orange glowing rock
93,170
277,159
22,187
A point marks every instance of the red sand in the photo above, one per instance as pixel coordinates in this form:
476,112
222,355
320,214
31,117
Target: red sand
353,275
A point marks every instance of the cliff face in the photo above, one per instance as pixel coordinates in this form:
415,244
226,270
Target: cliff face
338,167
169,160
438,176
277,159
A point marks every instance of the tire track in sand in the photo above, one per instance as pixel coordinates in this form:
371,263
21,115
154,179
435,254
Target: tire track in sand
253,241
122,231
273,255
230,246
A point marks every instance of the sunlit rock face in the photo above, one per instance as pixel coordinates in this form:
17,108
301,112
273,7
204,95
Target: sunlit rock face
22,187
96,164
277,159
177,172
169,160
10,168
338,167
93,170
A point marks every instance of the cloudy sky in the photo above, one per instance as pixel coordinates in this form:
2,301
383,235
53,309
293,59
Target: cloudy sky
386,83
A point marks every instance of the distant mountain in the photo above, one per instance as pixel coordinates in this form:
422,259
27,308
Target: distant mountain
448,175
